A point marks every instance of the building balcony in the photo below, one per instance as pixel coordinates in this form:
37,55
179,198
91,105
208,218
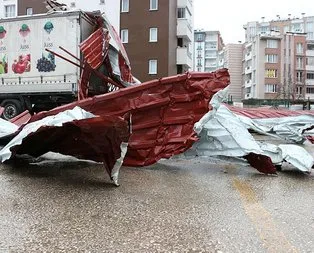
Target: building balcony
211,65
210,56
248,96
309,68
309,95
184,29
309,52
184,57
299,53
299,67
248,56
248,84
248,70
309,82
185,4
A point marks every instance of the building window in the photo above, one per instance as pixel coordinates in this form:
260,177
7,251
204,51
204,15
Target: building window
153,5
152,65
264,29
199,46
299,76
299,62
9,11
310,36
199,37
310,76
299,90
270,88
271,58
199,62
124,35
181,13
29,11
272,44
125,6
310,90
299,48
199,69
101,1
271,73
153,34
310,61
310,46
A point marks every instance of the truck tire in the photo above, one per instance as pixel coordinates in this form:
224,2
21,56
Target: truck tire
12,108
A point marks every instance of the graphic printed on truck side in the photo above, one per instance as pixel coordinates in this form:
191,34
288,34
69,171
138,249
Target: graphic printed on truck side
3,49
47,62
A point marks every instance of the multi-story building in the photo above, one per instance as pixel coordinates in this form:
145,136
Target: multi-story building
208,46
12,8
158,36
278,59
233,62
8,8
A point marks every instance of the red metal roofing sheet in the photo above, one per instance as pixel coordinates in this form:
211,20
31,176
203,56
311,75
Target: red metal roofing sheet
163,112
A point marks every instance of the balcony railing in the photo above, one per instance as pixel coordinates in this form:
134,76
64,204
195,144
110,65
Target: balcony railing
184,57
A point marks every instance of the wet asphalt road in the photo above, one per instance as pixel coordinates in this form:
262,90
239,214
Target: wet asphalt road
177,205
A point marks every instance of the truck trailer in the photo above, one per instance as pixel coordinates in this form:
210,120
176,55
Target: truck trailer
31,76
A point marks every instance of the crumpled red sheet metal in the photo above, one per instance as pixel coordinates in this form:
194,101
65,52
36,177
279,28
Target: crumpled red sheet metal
163,112
96,47
261,112
262,163
97,139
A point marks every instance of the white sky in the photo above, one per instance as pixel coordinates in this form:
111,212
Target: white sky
229,16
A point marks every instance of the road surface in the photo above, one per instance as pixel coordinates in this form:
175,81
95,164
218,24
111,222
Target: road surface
177,205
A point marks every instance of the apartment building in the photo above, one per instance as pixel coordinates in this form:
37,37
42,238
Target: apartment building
278,59
8,8
208,50
12,8
158,36
232,54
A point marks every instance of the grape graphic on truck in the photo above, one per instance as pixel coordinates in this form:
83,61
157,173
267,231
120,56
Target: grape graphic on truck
47,62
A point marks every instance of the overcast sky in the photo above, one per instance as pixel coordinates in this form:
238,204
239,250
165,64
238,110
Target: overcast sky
229,16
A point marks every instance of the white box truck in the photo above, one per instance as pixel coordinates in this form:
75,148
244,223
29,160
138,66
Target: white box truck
31,78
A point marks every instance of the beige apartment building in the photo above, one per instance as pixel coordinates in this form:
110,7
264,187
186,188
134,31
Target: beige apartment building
232,54
278,59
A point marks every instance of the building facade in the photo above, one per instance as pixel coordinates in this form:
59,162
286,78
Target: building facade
8,8
278,59
208,48
158,36
233,62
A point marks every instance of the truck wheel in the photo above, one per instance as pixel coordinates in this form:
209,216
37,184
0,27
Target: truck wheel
12,108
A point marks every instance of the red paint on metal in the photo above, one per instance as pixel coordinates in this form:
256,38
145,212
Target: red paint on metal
311,139
21,119
95,48
96,139
163,112
261,162
1,110
258,113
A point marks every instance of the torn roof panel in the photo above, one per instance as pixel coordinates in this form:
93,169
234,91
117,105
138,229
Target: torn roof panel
73,132
163,112
261,112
